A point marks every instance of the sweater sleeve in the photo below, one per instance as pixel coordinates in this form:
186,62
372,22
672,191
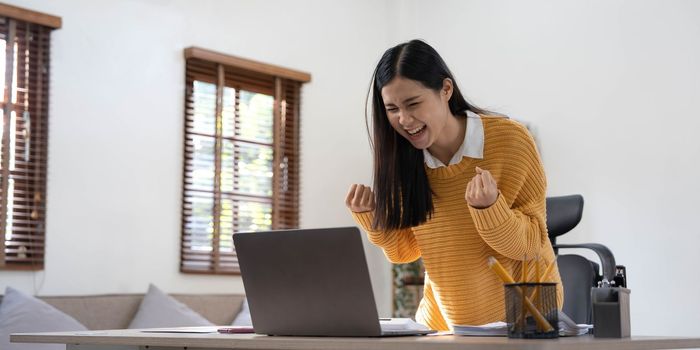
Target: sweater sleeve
518,230
399,246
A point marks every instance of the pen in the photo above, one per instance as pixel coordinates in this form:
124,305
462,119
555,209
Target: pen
546,273
505,277
538,279
543,278
236,329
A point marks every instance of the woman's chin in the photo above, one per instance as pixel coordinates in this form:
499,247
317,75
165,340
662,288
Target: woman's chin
421,141
419,146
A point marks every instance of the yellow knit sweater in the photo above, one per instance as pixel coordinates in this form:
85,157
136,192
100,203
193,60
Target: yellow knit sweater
460,288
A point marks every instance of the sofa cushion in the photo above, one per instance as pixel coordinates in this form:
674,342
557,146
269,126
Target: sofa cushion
243,317
161,310
107,311
21,313
219,309
115,311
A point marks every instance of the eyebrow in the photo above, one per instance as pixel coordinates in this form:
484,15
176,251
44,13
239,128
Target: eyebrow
406,100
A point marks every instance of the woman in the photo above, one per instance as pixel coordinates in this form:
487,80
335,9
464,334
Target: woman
453,186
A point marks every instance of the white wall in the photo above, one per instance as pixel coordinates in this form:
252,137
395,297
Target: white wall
115,167
612,89
609,85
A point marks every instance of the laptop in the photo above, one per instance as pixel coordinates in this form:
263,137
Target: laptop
312,283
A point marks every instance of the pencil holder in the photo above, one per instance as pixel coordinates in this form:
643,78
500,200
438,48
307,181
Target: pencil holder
531,310
611,312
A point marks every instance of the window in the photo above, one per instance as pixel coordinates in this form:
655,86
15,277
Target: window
241,167
24,71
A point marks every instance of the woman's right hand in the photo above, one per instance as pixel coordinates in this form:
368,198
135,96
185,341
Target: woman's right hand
360,198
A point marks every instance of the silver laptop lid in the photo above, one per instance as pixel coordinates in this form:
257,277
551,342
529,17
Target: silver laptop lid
308,282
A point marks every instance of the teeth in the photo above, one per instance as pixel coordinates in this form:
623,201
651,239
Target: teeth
416,130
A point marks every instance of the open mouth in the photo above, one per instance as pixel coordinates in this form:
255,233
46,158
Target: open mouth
416,131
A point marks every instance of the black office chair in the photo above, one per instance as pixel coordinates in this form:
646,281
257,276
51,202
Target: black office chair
579,274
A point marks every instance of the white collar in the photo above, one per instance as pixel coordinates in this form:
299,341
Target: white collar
472,146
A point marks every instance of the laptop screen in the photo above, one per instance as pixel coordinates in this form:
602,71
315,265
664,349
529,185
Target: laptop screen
308,282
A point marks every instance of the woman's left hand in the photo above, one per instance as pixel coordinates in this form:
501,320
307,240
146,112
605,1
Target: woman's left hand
482,190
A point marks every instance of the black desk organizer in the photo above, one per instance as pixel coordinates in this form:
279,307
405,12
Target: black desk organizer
611,312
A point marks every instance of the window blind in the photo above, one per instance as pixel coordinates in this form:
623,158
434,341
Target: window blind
241,159
24,71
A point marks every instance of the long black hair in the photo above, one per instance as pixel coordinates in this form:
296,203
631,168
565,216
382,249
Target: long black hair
403,194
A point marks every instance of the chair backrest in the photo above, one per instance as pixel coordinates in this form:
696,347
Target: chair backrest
563,214
578,274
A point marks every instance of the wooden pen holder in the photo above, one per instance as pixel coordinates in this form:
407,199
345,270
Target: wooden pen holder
531,310
611,312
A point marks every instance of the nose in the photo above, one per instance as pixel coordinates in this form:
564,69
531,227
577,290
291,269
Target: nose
405,119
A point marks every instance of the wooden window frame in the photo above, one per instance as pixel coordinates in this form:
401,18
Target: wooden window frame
284,85
30,31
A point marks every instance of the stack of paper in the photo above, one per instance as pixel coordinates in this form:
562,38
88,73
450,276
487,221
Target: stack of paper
567,327
401,324
486,330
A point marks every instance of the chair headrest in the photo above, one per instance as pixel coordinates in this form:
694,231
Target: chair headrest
563,214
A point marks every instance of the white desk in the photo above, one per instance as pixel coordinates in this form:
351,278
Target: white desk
136,340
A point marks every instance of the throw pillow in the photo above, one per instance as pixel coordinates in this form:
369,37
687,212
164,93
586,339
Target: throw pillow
158,310
243,317
21,313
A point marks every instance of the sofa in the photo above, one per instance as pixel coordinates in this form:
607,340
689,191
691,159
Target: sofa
24,313
115,311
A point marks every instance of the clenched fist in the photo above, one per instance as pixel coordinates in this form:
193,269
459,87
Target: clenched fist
482,190
360,198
